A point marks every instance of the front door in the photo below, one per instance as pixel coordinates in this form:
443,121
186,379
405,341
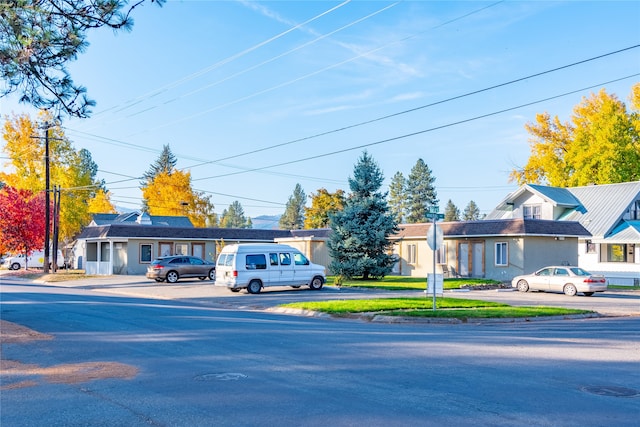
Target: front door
471,259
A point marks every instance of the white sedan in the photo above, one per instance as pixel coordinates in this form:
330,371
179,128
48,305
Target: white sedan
569,280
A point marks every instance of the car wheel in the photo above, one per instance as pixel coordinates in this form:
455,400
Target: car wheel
254,287
201,277
295,286
172,276
159,280
212,274
15,266
570,289
587,294
316,283
523,286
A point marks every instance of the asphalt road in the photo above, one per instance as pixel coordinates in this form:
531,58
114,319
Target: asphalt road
206,357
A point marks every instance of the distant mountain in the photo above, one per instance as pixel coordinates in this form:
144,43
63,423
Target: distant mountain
266,222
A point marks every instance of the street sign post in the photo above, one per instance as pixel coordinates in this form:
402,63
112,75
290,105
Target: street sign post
434,240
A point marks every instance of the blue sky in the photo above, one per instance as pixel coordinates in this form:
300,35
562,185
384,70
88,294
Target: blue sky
254,97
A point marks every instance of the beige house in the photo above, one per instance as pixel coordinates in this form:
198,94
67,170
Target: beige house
127,243
492,249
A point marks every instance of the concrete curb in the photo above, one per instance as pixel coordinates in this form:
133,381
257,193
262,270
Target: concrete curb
381,318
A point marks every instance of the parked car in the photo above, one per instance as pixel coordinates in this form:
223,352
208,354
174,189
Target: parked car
174,268
567,279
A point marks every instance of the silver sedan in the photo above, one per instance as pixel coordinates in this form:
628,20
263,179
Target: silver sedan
569,280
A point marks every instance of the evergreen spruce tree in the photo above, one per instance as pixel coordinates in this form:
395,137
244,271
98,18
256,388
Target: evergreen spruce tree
421,193
471,212
451,212
359,244
166,163
398,197
293,217
234,217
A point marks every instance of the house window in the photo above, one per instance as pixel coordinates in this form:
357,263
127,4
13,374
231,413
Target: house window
532,212
411,254
145,253
591,247
165,248
634,212
441,254
182,249
501,254
105,253
613,253
92,251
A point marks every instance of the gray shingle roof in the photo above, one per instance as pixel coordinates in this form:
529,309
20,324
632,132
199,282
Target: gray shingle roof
137,231
131,217
499,227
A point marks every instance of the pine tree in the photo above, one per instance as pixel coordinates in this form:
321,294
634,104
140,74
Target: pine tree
398,197
38,38
451,212
471,212
165,163
359,244
421,193
234,217
293,217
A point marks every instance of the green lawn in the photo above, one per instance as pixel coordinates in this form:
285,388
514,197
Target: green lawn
402,282
423,307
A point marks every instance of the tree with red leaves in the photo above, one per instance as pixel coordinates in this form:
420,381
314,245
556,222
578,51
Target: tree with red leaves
22,220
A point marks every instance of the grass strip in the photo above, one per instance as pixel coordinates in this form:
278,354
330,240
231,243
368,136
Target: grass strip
402,282
423,307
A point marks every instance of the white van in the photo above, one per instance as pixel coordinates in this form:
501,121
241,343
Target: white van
36,260
254,266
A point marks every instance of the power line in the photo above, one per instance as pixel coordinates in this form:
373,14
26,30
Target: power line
322,70
467,94
422,131
411,110
220,63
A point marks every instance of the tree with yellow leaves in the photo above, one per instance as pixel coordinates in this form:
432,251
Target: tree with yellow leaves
73,171
601,144
323,203
167,191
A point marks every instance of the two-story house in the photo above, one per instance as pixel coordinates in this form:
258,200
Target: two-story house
610,212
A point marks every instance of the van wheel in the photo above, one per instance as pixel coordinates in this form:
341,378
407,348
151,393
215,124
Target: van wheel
254,287
15,266
172,276
234,289
316,283
587,294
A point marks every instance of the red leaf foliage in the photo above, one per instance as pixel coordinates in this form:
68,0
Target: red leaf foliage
22,220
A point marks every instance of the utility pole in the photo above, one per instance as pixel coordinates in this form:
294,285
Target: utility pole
47,218
56,227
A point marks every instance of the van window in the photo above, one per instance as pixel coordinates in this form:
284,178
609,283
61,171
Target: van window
285,259
226,260
273,258
256,262
300,259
